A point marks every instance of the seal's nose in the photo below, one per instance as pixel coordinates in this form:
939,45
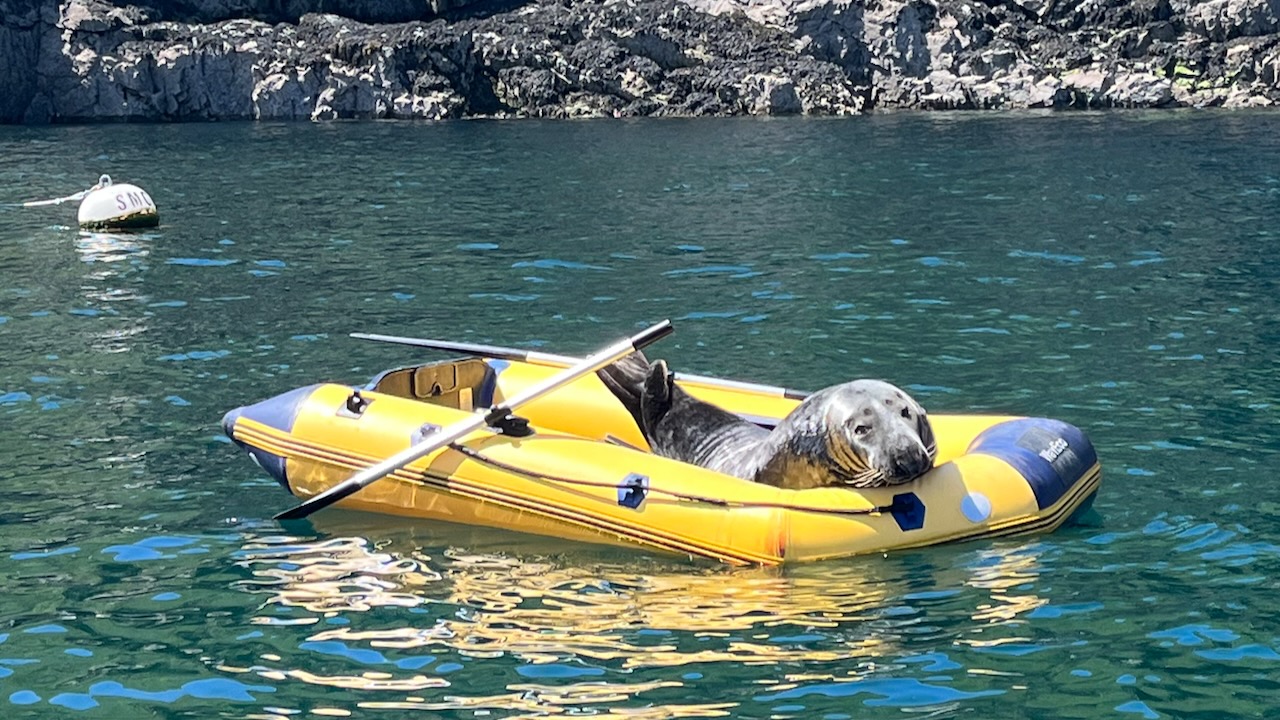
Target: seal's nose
911,464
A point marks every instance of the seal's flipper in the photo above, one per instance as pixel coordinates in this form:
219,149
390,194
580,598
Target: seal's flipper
678,425
658,395
626,380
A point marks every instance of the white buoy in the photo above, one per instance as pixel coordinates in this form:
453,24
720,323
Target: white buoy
108,206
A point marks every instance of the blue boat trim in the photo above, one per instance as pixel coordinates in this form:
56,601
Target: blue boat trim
1050,454
1082,510
279,412
908,511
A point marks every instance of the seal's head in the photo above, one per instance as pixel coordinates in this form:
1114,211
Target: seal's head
875,434
862,434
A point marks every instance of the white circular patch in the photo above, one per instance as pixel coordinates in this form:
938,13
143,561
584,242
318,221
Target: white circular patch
976,507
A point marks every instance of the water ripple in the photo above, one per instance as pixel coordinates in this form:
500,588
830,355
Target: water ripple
202,262
888,692
734,271
146,577
210,689
553,263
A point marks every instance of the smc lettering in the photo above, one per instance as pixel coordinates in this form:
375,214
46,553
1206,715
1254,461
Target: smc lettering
132,200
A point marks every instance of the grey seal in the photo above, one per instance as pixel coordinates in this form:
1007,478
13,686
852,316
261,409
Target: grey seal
859,434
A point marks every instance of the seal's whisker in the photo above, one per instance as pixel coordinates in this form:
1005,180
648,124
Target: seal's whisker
869,479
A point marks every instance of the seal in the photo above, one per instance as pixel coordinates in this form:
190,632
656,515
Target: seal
859,434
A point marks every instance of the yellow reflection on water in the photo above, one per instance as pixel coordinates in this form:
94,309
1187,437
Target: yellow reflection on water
619,615
603,616
366,681
543,611
332,575
521,703
1002,571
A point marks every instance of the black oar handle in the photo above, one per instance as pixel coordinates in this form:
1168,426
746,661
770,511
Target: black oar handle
652,335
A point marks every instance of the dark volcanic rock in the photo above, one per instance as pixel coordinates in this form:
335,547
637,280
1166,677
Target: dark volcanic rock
660,57
80,60
20,33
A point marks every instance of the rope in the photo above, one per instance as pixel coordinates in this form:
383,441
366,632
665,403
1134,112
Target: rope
685,497
103,181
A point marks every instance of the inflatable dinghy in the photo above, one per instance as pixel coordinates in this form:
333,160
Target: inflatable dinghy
572,464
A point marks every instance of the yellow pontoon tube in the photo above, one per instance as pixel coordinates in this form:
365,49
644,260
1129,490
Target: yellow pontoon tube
580,469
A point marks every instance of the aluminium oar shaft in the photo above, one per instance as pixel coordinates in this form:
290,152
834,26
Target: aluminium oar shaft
480,419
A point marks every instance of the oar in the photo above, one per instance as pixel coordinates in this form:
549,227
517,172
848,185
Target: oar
552,360
480,419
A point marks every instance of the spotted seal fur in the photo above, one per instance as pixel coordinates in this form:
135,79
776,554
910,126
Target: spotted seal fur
859,434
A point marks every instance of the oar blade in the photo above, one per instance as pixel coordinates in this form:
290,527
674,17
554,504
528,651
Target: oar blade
313,504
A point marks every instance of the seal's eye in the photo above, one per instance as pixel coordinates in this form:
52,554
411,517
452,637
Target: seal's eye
861,429
906,413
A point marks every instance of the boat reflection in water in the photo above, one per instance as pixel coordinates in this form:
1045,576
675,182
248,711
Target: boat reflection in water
529,610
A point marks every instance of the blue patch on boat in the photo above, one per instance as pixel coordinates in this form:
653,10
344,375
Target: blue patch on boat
632,490
1050,454
278,412
908,510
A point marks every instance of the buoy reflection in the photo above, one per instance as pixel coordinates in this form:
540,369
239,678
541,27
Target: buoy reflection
107,247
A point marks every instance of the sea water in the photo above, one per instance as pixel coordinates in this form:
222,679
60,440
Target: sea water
1116,271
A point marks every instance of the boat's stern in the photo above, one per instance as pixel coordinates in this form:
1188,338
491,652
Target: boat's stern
1056,459
279,413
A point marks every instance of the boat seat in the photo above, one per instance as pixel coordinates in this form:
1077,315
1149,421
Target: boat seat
463,384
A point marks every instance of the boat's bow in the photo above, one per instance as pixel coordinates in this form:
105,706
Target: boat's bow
245,426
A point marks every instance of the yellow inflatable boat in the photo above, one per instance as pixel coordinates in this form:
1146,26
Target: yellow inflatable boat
579,468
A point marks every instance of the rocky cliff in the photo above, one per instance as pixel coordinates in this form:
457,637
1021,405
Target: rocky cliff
80,60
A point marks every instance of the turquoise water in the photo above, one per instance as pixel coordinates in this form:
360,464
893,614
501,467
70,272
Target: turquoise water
1114,271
